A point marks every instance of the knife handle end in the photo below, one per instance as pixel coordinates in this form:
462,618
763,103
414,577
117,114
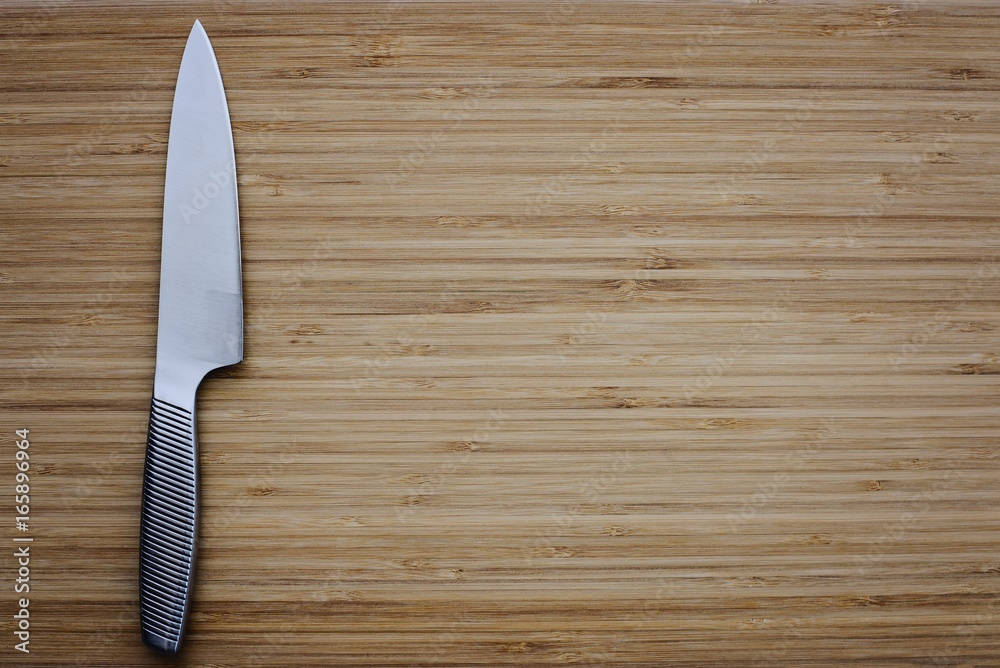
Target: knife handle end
159,643
169,526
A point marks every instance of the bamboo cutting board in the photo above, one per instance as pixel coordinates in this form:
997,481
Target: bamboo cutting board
630,334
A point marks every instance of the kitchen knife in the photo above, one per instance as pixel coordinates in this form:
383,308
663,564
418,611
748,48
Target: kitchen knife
200,328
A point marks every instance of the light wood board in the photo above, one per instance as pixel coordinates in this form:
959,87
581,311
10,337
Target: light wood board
631,334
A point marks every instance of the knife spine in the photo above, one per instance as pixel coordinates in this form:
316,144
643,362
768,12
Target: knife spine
169,524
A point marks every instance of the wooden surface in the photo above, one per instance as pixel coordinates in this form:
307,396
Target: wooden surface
597,333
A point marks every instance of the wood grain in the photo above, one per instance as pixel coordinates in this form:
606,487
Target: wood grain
600,333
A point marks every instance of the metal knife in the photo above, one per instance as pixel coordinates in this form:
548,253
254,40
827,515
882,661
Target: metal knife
200,328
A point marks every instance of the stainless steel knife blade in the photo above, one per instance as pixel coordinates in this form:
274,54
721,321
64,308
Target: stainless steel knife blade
200,328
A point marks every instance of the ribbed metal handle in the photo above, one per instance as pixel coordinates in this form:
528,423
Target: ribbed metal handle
169,526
